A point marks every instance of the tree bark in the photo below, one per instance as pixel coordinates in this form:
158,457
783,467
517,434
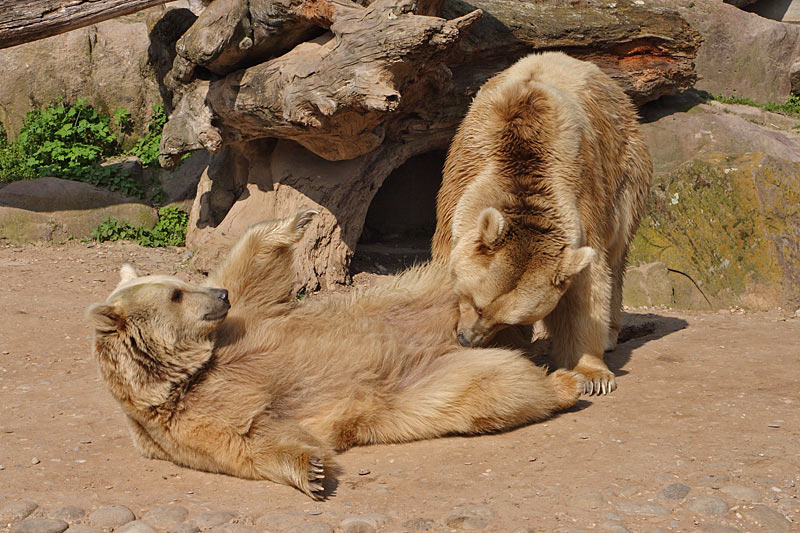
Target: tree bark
25,21
355,91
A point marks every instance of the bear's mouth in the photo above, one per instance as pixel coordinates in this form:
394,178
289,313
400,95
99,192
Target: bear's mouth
216,315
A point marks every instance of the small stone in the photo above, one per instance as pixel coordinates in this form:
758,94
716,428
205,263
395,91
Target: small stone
69,513
675,491
469,518
166,516
374,520
312,527
137,526
16,510
740,493
184,528
111,517
767,518
40,525
716,528
212,519
650,509
232,528
419,524
80,528
35,461
709,506
363,471
613,527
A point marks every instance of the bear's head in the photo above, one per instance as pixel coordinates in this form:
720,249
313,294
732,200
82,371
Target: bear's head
505,275
153,332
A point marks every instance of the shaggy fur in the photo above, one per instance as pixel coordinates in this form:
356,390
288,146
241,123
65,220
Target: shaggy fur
250,382
544,186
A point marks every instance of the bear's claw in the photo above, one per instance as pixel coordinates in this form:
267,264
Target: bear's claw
303,217
599,384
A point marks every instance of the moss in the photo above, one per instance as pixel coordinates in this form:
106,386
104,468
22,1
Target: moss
729,221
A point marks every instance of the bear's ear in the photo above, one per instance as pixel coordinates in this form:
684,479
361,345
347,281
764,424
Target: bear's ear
127,273
492,227
574,261
105,318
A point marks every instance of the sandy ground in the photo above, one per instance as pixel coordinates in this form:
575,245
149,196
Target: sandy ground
706,402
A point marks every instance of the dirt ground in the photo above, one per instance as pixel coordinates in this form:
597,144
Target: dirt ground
707,402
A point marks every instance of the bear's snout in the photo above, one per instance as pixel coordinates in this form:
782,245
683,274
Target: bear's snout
463,340
222,294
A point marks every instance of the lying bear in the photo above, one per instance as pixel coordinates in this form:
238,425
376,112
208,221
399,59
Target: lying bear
239,377
543,188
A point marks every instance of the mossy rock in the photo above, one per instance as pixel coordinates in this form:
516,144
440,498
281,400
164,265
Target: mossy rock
732,223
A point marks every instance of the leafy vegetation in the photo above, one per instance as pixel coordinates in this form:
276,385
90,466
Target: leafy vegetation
790,107
169,231
146,148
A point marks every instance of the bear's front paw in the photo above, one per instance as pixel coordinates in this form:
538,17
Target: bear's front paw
315,474
597,381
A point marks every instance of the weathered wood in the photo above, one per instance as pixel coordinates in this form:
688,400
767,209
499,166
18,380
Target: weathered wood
25,21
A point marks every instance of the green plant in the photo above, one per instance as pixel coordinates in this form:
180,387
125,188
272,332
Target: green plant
170,230
12,161
790,107
147,148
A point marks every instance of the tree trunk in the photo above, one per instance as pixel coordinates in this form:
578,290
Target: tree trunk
25,21
354,91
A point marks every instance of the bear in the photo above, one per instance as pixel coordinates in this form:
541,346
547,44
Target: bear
237,376
543,187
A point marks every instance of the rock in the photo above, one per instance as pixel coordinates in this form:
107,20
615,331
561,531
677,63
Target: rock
14,511
279,521
39,525
51,209
742,53
212,519
108,63
111,517
375,520
767,518
166,516
181,184
730,223
357,526
741,493
311,527
647,509
419,524
137,526
469,518
184,528
69,513
740,3
612,527
707,505
232,528
675,491
794,78
80,528
717,528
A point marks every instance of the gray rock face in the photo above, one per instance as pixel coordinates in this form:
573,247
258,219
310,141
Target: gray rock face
137,526
111,517
14,511
675,491
794,78
212,519
768,518
68,513
708,506
647,509
166,516
39,525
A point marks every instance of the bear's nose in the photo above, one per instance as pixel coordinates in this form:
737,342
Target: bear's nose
463,341
223,295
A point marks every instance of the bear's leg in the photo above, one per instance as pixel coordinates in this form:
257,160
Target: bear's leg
144,442
259,269
466,391
579,328
615,306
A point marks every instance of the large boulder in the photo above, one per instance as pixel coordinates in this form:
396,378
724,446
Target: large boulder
730,223
742,53
108,63
53,209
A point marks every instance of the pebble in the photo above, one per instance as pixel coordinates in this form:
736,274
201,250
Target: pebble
675,491
184,528
232,528
17,510
374,520
708,505
642,509
111,516
69,513
212,519
166,516
39,525
35,461
137,526
313,527
363,471
419,524
767,518
741,493
80,528
469,518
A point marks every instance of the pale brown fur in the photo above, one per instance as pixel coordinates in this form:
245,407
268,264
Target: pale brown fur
543,189
276,387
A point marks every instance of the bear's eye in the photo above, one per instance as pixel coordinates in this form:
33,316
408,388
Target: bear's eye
176,296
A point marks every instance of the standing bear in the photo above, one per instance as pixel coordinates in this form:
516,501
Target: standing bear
237,376
543,188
